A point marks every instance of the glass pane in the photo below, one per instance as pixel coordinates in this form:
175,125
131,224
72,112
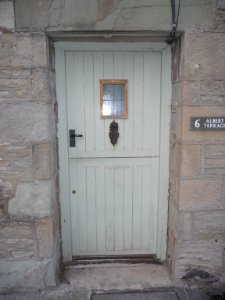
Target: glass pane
118,108
107,92
107,109
114,98
118,94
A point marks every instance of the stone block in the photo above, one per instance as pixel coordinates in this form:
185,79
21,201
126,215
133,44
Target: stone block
16,243
22,53
7,41
40,51
15,229
51,273
109,15
187,134
214,159
206,256
214,151
212,99
30,51
201,194
4,165
36,15
33,199
180,223
12,73
22,123
7,15
40,85
8,183
220,15
191,160
209,225
214,166
212,87
42,161
20,158
12,89
202,225
204,55
23,50
16,240
190,92
45,237
21,255
26,275
184,226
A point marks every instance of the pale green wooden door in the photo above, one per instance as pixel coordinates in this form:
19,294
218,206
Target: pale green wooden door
114,203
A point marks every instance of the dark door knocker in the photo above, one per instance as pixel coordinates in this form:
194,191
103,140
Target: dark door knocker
113,132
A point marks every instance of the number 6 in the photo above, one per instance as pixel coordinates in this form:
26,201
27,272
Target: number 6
197,124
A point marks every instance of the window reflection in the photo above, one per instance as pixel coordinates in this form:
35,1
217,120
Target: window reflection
113,98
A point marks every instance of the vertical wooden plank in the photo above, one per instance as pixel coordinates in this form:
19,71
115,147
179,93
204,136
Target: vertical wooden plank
99,123
108,74
82,203
74,207
138,101
100,208
91,209
128,123
128,207
150,129
75,97
151,115
156,100
118,74
88,86
146,217
119,198
154,196
137,208
110,213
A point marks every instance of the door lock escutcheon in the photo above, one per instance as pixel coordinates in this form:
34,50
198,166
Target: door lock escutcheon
73,135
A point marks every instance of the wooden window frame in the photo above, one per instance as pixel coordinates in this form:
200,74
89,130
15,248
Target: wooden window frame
114,81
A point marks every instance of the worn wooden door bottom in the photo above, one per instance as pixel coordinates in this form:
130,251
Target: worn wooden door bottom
123,259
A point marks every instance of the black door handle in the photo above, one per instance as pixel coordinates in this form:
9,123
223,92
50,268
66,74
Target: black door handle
78,135
73,135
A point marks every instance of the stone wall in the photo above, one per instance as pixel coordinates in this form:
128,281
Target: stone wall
69,15
29,222
29,209
197,199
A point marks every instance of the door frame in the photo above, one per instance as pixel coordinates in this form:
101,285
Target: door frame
64,195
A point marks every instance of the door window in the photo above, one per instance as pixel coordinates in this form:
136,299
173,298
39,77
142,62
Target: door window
113,99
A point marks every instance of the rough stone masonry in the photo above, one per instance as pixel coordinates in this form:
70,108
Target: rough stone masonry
29,208
29,219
